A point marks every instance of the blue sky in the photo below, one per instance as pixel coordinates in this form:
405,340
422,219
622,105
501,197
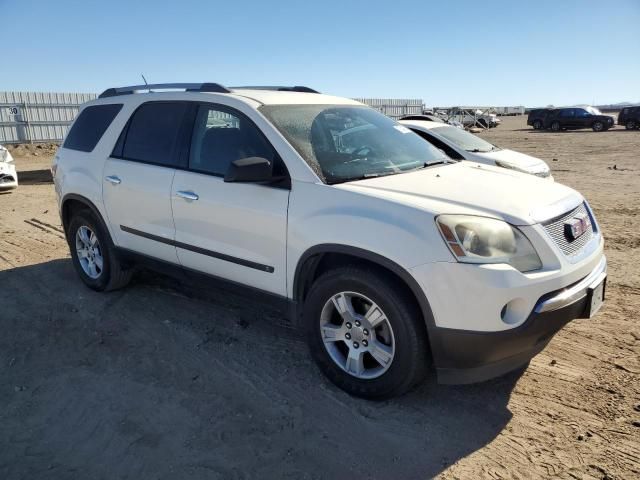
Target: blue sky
445,52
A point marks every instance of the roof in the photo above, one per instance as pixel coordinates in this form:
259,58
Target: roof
273,97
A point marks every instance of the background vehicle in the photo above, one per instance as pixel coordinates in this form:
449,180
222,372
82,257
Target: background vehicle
462,145
573,118
366,231
433,118
629,117
425,117
537,117
8,174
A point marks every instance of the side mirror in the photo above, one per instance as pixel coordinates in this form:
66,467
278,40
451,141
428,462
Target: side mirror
250,170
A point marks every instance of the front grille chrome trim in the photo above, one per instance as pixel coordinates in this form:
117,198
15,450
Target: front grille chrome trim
555,228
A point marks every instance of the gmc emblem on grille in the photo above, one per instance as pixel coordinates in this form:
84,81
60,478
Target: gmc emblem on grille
577,226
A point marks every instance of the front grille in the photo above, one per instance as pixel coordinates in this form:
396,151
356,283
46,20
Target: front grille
556,230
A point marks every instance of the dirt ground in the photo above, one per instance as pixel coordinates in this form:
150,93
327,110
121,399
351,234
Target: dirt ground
168,381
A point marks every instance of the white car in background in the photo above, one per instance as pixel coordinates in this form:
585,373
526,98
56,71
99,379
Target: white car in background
462,145
8,174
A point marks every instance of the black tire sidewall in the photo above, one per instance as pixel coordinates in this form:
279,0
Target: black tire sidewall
86,219
402,317
537,125
553,126
598,129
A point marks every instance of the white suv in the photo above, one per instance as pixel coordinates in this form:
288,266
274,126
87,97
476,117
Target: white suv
391,257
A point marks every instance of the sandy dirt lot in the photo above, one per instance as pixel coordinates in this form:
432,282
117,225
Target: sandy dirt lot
168,381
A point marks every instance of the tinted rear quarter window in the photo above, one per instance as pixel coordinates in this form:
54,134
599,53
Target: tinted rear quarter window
90,125
153,133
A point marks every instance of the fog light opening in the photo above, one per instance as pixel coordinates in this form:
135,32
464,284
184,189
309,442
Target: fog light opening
514,311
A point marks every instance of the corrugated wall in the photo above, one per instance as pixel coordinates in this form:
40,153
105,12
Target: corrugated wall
394,107
45,117
38,117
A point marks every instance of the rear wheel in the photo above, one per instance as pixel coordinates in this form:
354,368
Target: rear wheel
93,255
365,333
555,126
537,125
597,126
630,125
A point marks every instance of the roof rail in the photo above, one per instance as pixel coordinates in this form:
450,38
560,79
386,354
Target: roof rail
297,88
189,87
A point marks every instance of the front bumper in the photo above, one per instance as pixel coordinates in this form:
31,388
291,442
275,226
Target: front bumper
8,176
463,356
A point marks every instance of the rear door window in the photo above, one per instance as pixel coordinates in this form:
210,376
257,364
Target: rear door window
154,133
90,125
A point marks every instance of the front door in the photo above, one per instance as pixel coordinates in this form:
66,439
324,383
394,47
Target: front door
236,231
137,180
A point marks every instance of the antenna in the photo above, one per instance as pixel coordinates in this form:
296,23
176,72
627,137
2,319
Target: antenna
145,80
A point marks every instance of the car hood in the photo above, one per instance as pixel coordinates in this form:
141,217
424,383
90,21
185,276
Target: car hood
518,160
473,189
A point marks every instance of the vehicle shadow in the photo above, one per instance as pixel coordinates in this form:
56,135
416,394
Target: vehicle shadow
35,177
164,376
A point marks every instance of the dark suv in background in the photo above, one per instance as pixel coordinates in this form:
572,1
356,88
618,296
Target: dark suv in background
630,117
573,118
537,117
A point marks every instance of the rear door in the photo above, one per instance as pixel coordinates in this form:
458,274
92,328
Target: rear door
583,118
236,231
137,179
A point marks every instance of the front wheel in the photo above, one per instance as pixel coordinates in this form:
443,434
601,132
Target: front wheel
630,125
93,255
597,126
537,125
365,333
555,126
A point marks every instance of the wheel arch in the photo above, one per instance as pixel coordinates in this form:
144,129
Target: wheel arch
72,202
320,258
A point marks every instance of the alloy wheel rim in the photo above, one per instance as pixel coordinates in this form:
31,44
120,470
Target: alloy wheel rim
89,252
357,335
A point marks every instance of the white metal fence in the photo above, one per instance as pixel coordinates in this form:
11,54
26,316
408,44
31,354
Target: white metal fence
32,117
394,107
28,117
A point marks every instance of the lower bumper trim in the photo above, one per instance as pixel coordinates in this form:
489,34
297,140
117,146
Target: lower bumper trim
462,356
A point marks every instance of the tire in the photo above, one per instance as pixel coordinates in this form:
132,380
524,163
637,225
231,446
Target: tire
537,125
598,126
555,126
630,125
108,274
483,123
401,333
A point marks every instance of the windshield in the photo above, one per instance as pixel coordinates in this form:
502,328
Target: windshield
343,143
464,140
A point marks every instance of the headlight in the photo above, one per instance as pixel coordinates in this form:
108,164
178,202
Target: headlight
542,173
487,240
510,166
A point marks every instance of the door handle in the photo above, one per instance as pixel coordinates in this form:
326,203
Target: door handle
187,195
113,179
